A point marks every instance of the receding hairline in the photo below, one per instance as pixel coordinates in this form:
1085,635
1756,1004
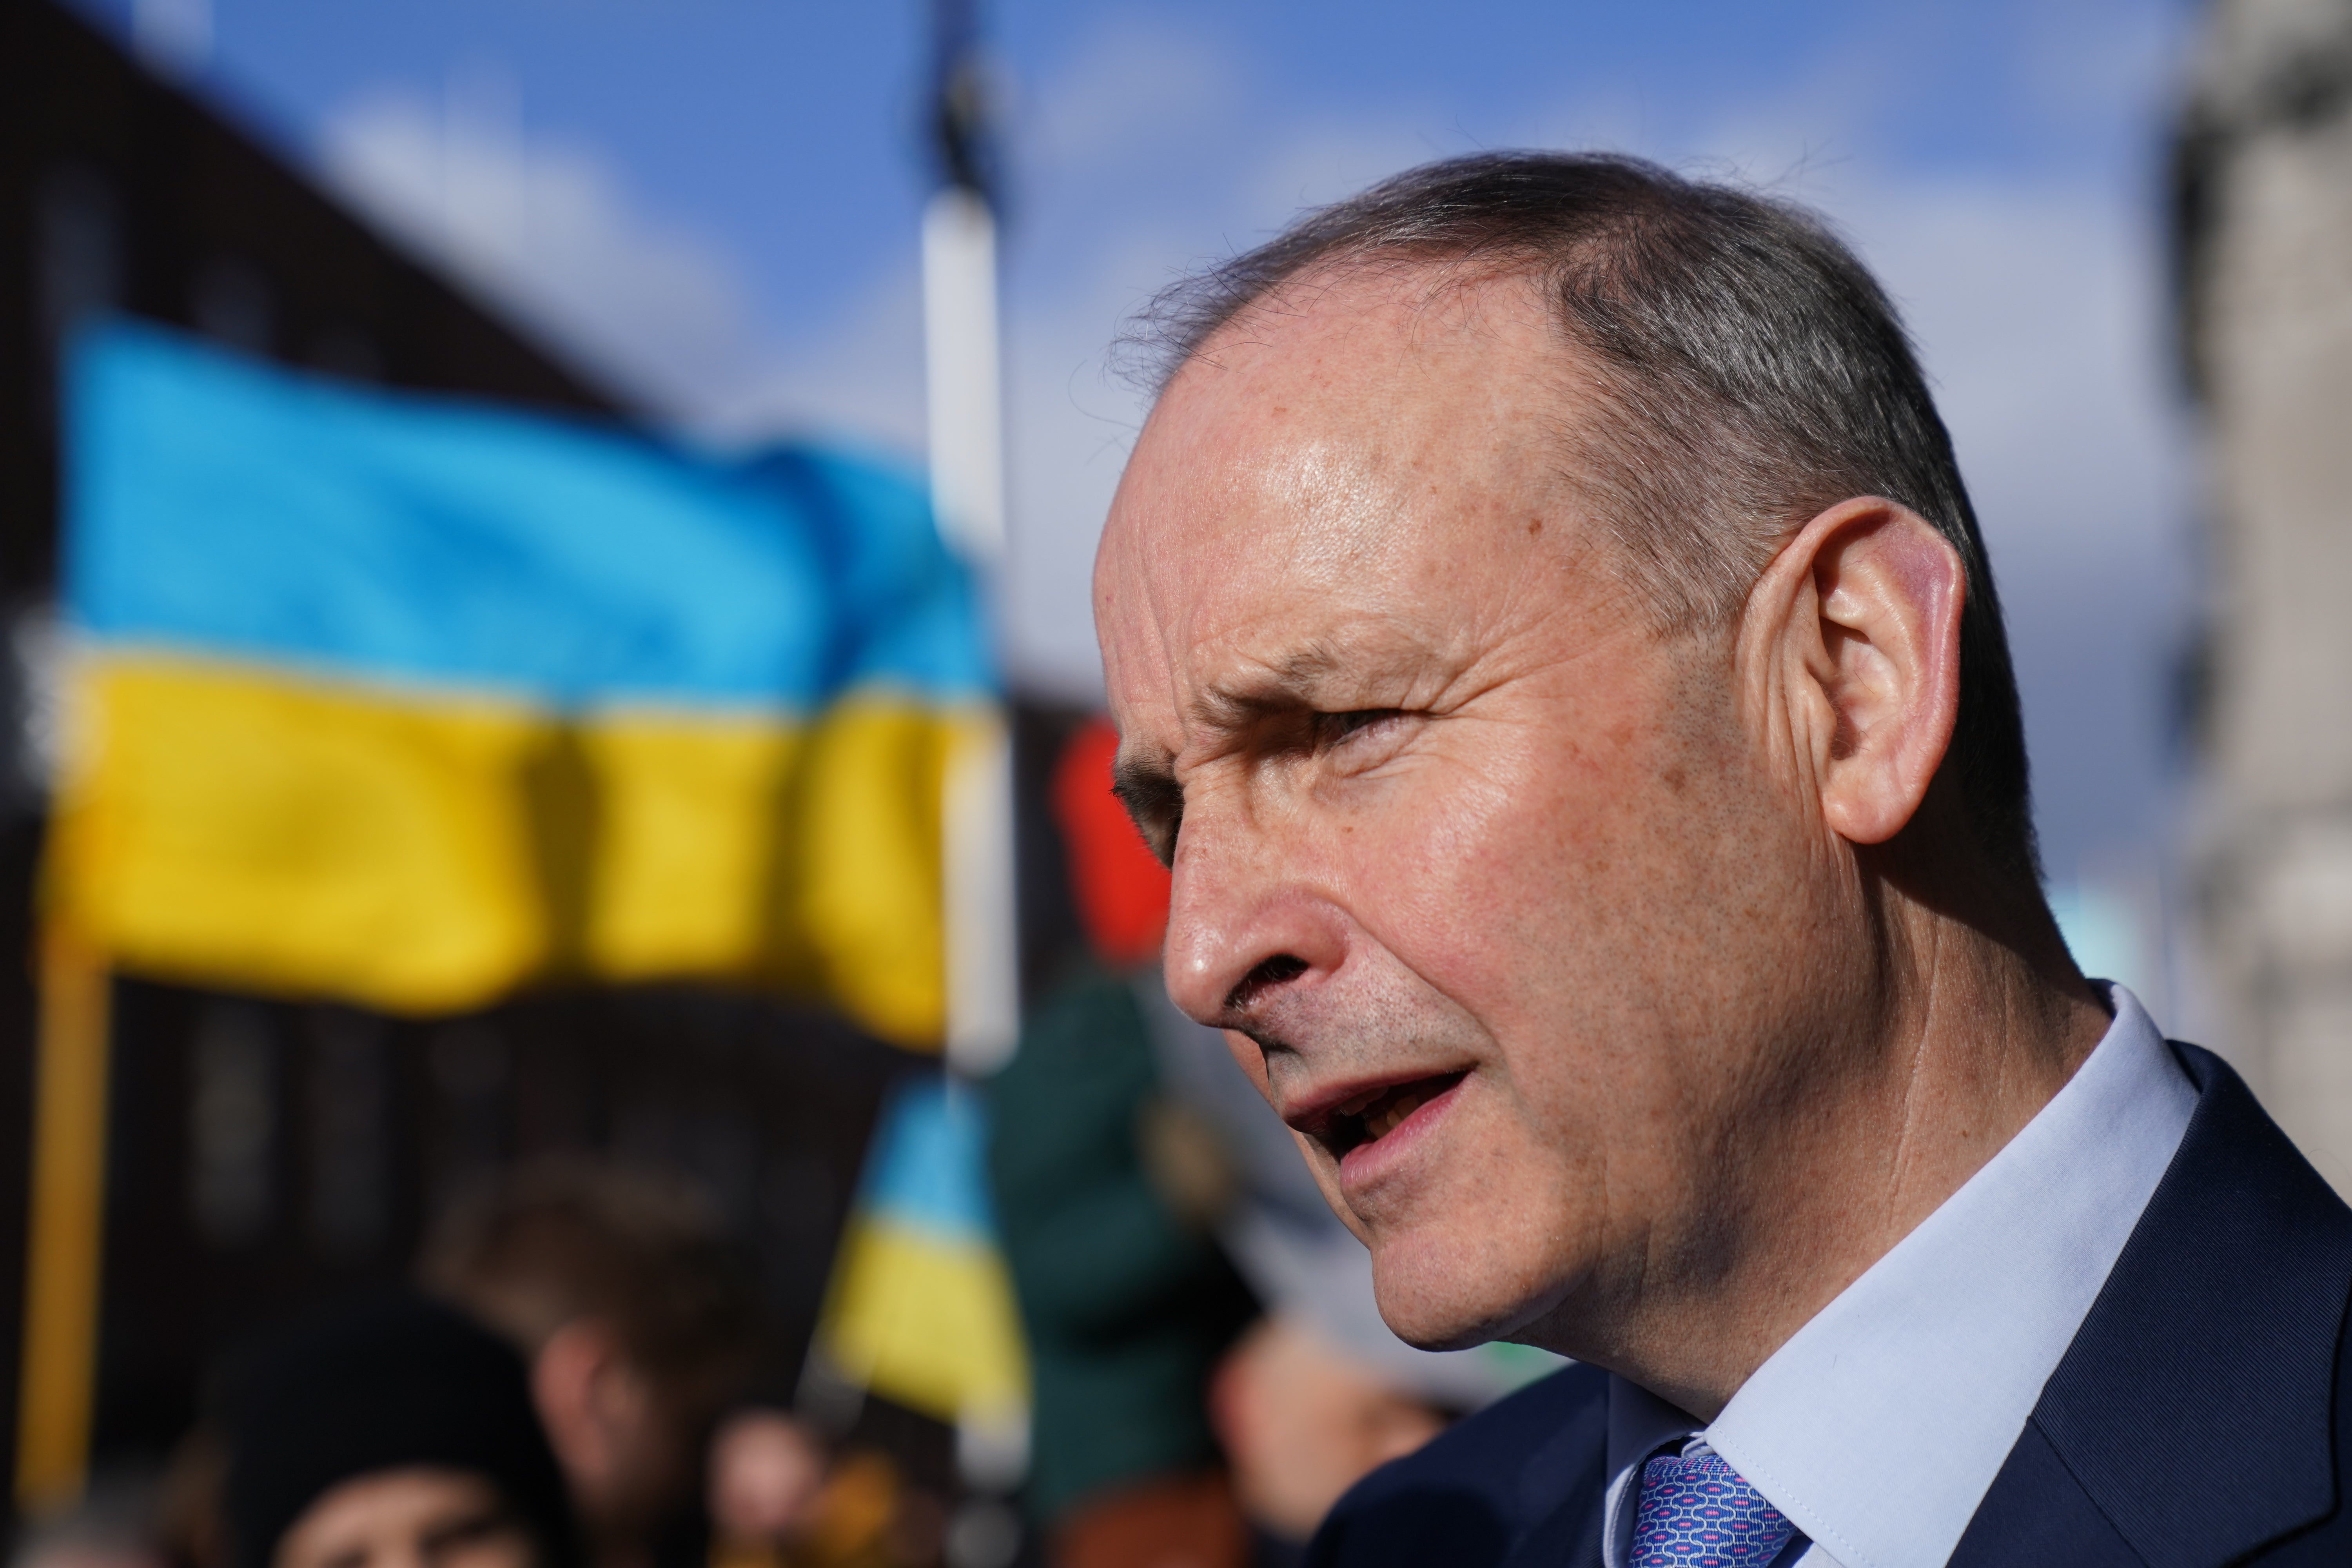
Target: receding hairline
1428,216
1599,423
1422,280
1568,382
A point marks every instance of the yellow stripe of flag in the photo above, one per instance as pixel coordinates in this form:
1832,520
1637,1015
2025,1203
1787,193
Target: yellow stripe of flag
426,851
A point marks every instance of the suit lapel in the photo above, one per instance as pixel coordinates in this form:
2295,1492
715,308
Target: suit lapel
2036,1512
2192,1420
1569,1536
1564,1486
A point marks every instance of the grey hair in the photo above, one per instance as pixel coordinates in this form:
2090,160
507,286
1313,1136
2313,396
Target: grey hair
1744,370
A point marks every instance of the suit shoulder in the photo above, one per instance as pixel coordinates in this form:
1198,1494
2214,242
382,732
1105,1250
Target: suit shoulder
1470,1494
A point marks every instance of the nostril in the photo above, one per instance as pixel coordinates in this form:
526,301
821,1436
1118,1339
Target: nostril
1273,972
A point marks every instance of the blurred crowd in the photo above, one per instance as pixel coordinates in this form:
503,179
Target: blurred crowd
568,1384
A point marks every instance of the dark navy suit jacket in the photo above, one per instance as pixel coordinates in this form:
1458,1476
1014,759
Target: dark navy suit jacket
2201,1417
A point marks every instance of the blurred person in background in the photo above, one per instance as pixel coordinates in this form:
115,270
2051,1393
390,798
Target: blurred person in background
767,1488
641,1323
395,1434
780,1498
1301,1420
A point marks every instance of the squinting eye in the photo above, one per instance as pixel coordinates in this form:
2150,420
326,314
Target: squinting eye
1333,728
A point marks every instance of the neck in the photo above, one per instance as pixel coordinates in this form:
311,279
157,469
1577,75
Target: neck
1971,1035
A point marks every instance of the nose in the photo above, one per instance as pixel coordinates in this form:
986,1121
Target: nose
1247,924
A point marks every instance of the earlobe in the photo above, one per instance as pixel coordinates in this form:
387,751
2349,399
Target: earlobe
1876,626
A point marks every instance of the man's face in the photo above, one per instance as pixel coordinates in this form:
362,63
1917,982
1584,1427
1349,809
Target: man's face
1498,880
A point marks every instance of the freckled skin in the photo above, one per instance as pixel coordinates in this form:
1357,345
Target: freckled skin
1717,1048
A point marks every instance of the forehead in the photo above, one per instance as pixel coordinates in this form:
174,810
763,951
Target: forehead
1336,383
1364,464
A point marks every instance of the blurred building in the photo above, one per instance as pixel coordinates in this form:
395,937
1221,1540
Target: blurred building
2263,254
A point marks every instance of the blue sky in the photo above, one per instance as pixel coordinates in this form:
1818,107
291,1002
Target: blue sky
769,125
714,203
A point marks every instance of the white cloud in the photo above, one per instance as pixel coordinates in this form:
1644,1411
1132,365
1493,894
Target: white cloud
857,374
544,229
1134,82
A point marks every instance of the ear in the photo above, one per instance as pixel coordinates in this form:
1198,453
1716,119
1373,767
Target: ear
1861,615
570,1383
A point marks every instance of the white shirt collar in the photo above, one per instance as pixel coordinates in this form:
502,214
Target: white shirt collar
1879,1426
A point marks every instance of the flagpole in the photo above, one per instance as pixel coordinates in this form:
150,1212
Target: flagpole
57,1375
964,379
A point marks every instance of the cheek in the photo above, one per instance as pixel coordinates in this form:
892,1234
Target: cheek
1515,1219
1579,897
1490,860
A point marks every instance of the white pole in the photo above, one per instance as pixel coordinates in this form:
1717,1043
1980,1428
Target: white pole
967,460
965,379
983,941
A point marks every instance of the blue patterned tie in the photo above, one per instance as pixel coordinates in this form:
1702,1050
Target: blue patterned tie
1697,1513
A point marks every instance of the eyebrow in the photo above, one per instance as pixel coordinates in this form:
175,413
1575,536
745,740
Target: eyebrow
1281,686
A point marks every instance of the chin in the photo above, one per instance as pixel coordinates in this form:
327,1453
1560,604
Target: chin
1452,1292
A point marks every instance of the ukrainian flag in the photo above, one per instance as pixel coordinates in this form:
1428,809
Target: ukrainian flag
413,701
920,1309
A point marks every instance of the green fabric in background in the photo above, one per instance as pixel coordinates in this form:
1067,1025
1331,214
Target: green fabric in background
1125,1308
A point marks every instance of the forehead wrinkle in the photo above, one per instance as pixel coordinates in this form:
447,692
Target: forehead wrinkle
1405,409
1135,597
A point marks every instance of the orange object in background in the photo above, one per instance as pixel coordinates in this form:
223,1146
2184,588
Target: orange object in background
1120,886
1169,1521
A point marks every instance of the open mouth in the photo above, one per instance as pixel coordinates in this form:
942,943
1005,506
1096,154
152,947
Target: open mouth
1377,1113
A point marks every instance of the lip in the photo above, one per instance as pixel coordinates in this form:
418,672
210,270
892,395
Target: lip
1313,1114
1372,1158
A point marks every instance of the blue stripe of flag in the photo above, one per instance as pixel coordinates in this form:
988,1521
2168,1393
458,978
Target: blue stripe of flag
928,1166
236,509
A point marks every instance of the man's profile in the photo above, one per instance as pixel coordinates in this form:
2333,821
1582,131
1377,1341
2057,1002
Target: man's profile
1552,646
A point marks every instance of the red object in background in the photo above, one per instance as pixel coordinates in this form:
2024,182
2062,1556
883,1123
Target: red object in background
1120,886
